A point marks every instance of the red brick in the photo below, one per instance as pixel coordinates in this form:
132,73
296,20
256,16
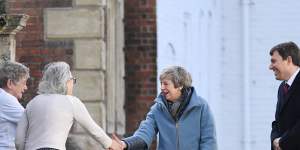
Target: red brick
140,60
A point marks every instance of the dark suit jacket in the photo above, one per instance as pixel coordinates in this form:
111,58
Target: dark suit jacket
287,117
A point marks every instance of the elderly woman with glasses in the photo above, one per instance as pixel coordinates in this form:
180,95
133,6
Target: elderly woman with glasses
49,116
181,119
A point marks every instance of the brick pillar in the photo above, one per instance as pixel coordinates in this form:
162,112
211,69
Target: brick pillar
140,60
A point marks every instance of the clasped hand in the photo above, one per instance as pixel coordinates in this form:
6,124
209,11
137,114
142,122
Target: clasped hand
117,144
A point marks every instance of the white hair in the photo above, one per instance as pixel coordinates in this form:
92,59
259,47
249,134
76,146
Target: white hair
55,77
178,75
12,71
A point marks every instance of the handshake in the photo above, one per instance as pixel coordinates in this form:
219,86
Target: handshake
117,144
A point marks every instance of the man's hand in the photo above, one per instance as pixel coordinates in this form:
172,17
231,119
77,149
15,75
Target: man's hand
276,144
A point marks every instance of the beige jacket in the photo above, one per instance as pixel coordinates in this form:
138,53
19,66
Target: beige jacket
47,121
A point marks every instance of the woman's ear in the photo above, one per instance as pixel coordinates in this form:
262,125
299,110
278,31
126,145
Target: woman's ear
9,84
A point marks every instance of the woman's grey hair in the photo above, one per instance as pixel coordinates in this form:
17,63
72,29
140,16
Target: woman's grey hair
178,75
13,71
55,77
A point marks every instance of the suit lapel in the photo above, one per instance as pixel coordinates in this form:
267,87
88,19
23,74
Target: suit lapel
280,99
292,89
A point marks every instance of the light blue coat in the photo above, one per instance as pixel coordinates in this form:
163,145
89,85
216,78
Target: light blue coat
11,112
195,130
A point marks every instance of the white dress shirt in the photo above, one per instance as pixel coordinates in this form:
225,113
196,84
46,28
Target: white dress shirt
292,78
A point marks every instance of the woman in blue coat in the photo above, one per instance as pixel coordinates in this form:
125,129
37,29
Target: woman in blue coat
181,119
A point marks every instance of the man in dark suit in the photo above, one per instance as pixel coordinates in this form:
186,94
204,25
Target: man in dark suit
285,62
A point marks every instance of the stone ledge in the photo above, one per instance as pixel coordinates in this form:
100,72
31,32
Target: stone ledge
90,2
12,23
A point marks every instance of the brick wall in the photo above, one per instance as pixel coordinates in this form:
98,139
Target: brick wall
31,47
140,60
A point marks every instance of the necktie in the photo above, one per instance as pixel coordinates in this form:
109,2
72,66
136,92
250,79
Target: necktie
285,88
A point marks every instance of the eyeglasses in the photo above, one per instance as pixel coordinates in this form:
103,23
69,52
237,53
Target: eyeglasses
74,80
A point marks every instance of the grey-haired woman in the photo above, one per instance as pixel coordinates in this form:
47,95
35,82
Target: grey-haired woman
49,116
181,118
13,78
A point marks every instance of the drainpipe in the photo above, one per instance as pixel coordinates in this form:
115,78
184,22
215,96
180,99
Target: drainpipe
245,32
